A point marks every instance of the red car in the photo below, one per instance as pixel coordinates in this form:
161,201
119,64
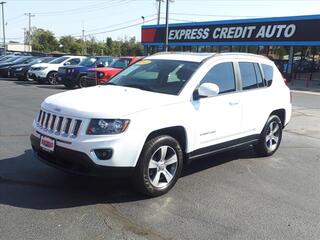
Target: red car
99,76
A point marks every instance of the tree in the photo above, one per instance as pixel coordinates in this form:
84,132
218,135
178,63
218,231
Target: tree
44,41
70,45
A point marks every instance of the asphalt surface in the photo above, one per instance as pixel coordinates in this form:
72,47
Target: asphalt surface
228,196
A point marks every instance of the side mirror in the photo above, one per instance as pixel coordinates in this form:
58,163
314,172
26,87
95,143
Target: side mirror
100,65
208,90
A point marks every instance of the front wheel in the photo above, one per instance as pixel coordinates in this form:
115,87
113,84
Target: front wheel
51,78
159,166
270,137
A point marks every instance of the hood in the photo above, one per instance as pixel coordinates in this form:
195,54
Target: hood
3,65
46,65
106,102
77,67
20,65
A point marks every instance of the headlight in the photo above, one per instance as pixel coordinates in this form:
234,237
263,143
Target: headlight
107,126
19,69
42,68
100,74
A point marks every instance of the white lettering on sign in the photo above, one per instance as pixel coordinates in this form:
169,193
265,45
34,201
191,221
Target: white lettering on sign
271,31
241,32
189,34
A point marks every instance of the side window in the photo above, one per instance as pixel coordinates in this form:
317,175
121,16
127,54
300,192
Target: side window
221,74
258,75
248,75
74,61
268,73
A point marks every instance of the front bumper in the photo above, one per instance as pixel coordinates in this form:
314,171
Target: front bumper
37,75
76,162
66,79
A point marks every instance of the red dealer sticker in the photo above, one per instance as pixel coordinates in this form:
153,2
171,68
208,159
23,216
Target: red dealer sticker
47,143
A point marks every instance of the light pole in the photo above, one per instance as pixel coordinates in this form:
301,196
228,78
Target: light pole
29,34
159,11
3,28
167,26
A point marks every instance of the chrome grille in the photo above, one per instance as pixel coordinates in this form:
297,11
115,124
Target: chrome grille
59,125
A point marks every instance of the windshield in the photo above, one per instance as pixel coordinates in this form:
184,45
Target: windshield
87,62
162,76
59,60
120,63
46,59
29,60
12,59
21,60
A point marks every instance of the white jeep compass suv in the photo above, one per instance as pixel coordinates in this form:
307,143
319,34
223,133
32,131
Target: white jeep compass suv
163,110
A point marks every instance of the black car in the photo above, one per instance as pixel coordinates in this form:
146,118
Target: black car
20,71
4,67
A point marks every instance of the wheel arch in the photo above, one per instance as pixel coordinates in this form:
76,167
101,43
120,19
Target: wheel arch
281,113
177,132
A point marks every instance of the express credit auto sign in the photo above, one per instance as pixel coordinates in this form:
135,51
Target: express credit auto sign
291,31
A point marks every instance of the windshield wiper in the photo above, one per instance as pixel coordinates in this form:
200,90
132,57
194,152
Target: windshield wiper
110,83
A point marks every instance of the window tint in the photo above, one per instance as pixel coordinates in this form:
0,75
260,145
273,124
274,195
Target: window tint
74,61
258,75
268,73
221,74
248,75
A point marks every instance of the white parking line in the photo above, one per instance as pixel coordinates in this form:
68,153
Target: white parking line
306,92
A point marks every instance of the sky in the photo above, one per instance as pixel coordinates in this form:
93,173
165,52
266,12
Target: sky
122,19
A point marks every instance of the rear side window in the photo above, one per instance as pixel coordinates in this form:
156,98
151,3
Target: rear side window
74,61
221,74
251,75
268,74
258,75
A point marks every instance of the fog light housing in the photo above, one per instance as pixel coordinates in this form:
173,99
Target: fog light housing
103,154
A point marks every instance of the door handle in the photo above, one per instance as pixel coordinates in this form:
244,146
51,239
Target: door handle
233,103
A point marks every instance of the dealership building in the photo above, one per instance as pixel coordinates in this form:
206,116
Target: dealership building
292,42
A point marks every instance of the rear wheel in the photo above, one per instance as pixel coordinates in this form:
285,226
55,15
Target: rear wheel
270,137
51,78
159,166
82,82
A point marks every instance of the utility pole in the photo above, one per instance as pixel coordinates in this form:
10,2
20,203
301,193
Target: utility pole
29,34
167,26
3,28
83,43
159,10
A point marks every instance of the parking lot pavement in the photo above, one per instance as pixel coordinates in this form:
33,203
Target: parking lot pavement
228,196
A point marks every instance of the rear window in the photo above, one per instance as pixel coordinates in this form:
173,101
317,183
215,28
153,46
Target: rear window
268,74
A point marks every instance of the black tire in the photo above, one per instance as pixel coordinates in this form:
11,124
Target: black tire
269,143
69,85
144,170
82,83
51,78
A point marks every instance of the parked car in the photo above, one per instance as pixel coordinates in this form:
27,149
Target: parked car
163,112
20,71
8,58
98,76
73,75
46,72
4,66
